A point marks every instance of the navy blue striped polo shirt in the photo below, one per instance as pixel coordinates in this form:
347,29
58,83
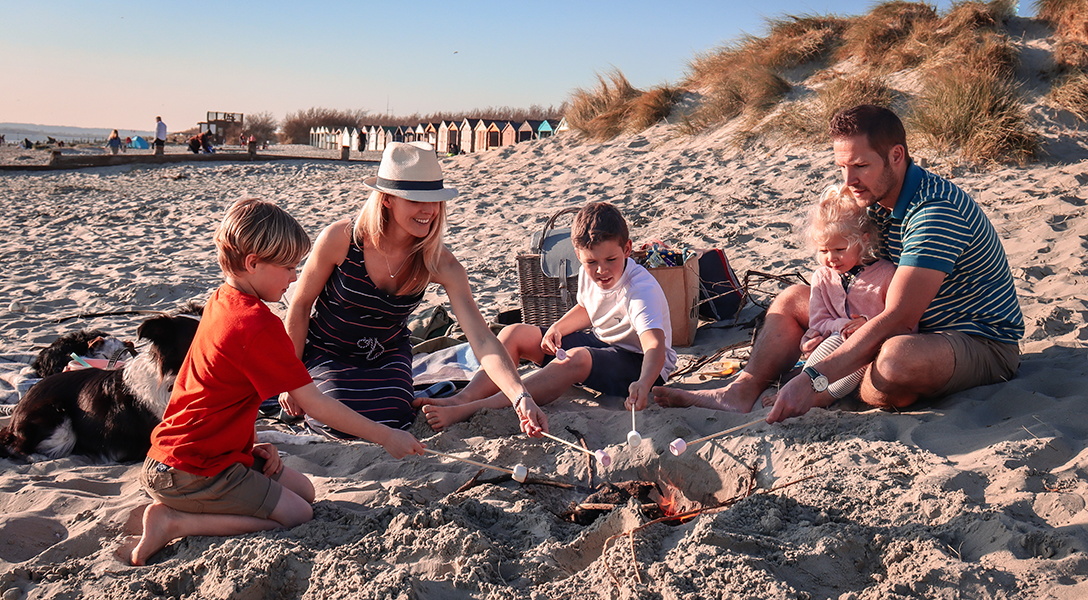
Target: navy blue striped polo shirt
936,225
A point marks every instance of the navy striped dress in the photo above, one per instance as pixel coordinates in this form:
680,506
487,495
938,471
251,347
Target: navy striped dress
357,347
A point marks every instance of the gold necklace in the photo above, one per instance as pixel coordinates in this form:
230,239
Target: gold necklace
393,274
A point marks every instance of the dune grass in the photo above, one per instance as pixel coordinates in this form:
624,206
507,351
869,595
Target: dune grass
806,122
645,110
1070,55
794,41
1071,93
615,106
975,110
879,38
1069,18
954,77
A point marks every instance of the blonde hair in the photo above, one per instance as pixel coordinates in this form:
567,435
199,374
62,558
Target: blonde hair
373,223
836,213
253,226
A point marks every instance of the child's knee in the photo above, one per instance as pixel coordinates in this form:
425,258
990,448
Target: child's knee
292,510
299,484
579,363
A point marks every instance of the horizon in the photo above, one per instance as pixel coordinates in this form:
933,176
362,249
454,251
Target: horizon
262,61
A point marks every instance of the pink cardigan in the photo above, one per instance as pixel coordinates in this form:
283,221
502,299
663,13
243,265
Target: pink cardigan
829,306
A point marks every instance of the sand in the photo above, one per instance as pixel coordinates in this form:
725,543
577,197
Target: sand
979,495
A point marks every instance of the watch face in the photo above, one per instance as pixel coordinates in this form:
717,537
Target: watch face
819,381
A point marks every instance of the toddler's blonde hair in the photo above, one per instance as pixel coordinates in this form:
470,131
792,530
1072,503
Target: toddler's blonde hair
836,213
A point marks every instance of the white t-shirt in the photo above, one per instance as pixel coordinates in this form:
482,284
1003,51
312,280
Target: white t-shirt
160,130
634,306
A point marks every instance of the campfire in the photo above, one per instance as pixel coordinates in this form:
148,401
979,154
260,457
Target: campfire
654,500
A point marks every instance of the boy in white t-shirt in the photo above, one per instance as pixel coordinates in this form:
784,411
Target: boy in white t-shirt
627,350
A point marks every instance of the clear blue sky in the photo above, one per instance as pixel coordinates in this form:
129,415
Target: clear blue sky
120,63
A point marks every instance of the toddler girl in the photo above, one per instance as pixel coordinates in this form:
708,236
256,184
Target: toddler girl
851,284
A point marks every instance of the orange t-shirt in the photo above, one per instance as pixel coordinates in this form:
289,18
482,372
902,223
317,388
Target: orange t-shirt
240,356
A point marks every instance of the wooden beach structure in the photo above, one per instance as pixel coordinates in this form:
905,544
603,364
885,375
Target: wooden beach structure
223,126
510,133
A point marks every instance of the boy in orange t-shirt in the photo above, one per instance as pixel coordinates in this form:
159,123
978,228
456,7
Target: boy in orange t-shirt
205,471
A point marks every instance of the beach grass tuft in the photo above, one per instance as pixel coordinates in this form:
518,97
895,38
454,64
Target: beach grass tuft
648,109
974,109
598,113
807,122
1069,18
1071,93
733,82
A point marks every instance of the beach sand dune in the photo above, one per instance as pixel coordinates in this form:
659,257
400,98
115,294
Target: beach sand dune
981,494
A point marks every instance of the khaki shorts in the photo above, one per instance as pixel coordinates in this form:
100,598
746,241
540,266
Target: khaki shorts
979,361
237,490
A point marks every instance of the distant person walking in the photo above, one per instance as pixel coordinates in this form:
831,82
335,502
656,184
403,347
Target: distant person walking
160,136
114,142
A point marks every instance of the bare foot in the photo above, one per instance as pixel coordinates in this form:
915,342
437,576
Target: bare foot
441,417
768,400
739,396
454,400
158,532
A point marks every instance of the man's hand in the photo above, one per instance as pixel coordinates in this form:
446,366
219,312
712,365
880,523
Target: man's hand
794,399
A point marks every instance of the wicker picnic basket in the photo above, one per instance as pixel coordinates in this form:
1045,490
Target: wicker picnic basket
545,299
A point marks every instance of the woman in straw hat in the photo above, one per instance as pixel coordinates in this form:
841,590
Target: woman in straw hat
363,279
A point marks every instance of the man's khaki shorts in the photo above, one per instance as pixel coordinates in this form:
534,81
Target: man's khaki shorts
979,361
237,490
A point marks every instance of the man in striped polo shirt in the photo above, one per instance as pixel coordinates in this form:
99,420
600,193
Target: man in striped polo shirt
952,281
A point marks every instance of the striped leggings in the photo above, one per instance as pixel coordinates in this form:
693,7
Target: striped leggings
842,387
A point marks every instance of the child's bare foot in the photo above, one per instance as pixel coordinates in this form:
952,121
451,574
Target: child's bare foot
159,522
768,400
441,417
455,400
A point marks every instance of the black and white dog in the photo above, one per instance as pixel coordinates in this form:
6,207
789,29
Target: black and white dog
88,343
103,413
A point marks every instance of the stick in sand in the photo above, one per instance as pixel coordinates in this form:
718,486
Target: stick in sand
678,446
519,472
602,456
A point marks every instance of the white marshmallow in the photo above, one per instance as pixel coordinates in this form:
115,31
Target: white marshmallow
678,446
603,458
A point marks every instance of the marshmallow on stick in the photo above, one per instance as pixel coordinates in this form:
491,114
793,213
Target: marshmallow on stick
678,446
601,455
519,472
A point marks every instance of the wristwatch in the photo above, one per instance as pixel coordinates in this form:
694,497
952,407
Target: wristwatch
819,381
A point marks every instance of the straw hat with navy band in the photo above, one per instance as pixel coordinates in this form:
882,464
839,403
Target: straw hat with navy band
411,171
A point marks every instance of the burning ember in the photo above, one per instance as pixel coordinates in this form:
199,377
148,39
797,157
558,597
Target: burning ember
655,500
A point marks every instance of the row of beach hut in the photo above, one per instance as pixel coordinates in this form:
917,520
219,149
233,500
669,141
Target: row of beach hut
447,137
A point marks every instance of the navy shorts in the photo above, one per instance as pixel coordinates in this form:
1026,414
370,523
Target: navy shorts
614,369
